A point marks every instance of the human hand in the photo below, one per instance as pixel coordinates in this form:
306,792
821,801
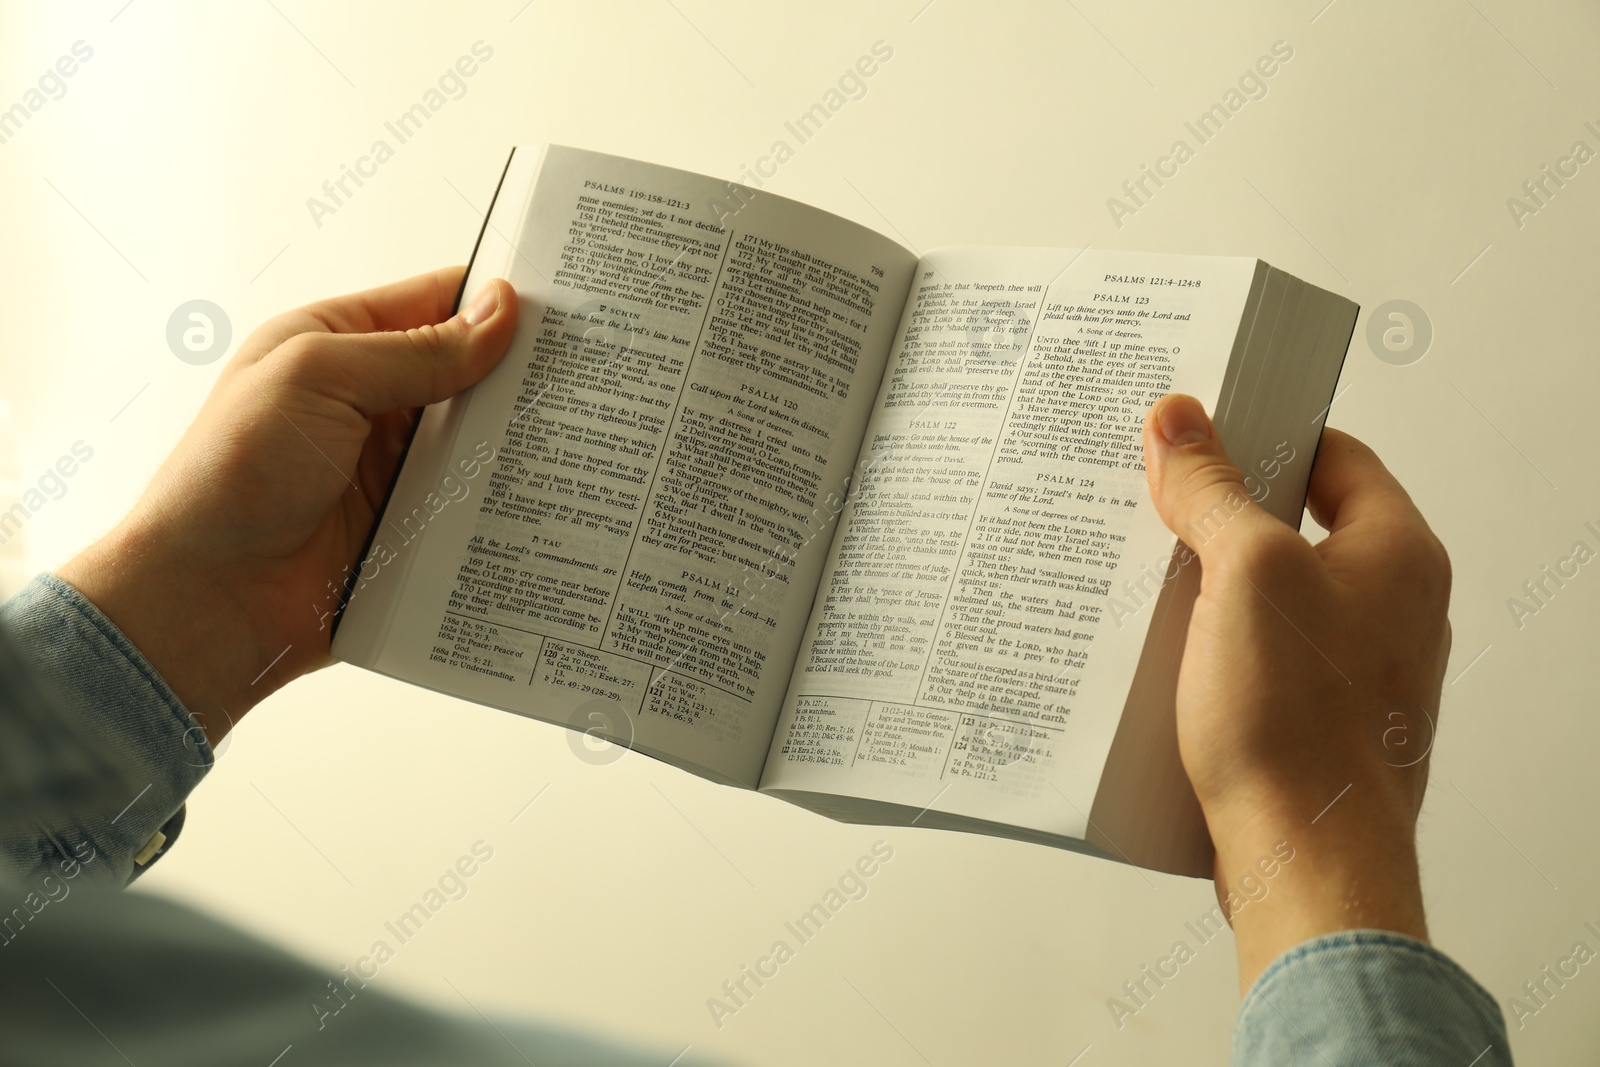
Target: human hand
1300,663
222,572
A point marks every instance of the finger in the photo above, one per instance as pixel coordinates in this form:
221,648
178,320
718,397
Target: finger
376,373
1350,483
1198,491
420,301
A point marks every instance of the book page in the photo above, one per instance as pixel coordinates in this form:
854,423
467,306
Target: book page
982,613
633,508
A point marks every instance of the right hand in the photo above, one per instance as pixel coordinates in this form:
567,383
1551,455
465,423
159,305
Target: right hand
1310,673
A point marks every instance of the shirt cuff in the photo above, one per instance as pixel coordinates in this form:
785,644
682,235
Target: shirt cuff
1369,996
109,699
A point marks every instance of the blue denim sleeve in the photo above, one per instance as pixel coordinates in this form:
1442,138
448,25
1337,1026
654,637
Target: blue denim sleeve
100,703
1369,996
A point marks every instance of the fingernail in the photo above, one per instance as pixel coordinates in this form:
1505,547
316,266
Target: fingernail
1183,421
483,306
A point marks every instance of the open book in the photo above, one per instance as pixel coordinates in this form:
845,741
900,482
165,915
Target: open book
766,495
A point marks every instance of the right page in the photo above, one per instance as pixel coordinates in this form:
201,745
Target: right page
986,602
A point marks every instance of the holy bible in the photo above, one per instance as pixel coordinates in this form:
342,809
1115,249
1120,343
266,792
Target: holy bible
763,494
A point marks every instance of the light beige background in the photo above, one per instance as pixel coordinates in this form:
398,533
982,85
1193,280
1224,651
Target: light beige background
1379,164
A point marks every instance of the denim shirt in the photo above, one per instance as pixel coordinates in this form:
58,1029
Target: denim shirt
87,722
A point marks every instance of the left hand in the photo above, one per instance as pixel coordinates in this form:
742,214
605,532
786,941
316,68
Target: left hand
228,571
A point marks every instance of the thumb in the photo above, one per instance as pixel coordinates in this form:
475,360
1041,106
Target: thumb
376,373
1197,490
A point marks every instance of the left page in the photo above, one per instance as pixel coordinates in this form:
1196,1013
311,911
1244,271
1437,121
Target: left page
621,528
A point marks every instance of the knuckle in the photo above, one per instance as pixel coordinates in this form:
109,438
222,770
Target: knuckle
429,344
298,358
1441,562
1430,564
1209,472
1419,565
426,341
